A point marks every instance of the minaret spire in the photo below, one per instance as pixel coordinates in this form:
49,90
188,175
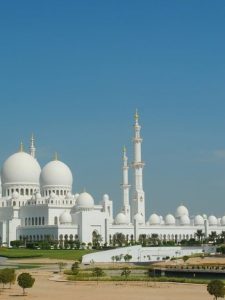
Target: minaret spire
125,186
138,203
32,146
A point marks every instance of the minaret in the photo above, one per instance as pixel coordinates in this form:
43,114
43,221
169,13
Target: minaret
125,186
138,203
32,146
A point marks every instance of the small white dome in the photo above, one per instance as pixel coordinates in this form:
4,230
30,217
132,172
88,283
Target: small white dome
139,218
184,220
120,219
56,173
20,168
181,211
76,196
154,219
212,221
170,220
198,220
222,221
65,218
85,200
105,197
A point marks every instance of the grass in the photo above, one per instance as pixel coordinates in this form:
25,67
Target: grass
52,254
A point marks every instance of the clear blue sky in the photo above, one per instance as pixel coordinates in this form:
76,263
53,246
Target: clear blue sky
73,72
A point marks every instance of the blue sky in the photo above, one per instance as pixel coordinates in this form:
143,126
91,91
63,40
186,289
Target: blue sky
73,72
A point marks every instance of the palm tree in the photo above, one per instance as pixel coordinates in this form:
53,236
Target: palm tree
126,272
213,236
199,234
119,239
222,235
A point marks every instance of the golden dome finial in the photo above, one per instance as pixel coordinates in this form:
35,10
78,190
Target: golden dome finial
136,116
55,156
21,147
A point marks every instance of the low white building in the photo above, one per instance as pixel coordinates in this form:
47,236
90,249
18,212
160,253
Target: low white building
37,203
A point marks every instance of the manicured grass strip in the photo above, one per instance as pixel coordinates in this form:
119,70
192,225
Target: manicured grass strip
52,254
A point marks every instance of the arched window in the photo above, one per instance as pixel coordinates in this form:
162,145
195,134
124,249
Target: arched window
29,221
43,220
27,192
36,221
25,221
39,220
32,221
56,221
22,192
31,192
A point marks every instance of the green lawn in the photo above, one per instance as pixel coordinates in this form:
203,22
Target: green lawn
56,254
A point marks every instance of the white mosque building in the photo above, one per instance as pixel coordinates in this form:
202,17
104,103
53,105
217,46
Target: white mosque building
37,203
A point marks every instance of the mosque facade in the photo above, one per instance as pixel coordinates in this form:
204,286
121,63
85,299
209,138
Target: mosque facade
38,203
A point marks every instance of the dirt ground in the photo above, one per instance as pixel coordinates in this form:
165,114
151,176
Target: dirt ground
47,287
51,286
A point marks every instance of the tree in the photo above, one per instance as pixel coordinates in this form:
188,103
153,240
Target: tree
119,239
200,235
185,258
126,272
216,288
127,257
25,281
75,268
213,236
7,276
98,272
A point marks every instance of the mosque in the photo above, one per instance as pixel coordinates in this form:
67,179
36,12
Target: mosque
38,203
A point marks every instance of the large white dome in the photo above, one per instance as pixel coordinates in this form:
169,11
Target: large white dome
212,221
198,220
85,200
222,221
154,219
184,220
170,220
56,173
20,168
181,211
65,218
120,219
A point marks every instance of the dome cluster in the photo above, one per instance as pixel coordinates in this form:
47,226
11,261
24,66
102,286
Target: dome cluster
21,174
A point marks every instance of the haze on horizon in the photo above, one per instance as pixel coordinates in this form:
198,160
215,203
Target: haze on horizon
73,73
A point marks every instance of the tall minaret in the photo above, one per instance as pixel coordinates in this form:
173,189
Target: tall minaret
138,203
32,146
125,186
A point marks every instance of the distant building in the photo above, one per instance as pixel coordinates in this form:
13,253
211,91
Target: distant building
38,203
